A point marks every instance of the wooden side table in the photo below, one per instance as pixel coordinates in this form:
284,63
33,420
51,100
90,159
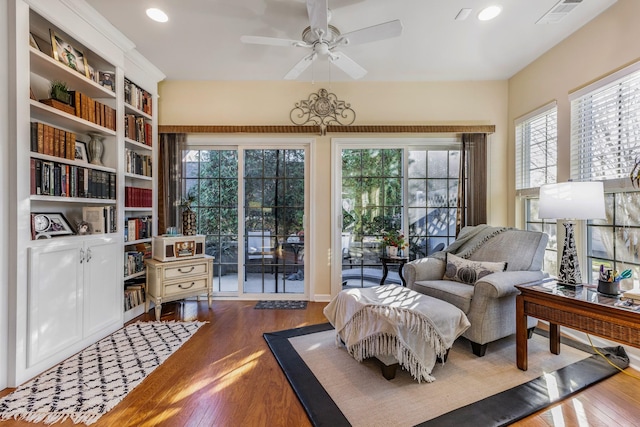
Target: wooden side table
175,280
400,261
582,309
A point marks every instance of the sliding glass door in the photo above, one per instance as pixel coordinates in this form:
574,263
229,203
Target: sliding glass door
412,188
251,204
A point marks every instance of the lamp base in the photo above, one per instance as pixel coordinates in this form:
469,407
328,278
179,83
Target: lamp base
569,271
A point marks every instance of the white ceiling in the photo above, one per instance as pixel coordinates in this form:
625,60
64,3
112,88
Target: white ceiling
201,41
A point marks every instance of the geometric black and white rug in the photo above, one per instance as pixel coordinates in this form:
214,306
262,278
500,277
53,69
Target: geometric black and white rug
90,383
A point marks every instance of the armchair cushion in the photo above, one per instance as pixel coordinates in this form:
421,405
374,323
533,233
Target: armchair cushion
469,271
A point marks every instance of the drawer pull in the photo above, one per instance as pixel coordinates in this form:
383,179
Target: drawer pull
186,287
192,268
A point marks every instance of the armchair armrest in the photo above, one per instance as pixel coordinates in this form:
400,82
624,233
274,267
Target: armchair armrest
497,285
423,269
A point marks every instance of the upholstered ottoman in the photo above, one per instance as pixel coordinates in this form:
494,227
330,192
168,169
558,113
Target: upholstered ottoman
392,322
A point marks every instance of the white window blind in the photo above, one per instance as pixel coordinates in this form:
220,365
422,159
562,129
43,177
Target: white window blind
605,127
537,147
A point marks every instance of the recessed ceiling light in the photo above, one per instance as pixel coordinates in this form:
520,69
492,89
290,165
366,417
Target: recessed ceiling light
157,15
489,12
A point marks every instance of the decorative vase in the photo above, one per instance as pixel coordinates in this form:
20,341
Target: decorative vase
392,251
188,222
95,147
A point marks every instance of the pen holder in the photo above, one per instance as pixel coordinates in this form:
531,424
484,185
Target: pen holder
609,288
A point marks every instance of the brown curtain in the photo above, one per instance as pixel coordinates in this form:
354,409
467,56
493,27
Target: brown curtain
472,185
169,167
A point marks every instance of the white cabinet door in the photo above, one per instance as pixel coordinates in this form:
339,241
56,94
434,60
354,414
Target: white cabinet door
55,299
103,285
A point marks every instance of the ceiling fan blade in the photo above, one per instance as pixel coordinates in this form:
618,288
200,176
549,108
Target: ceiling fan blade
272,41
318,17
300,66
374,33
347,65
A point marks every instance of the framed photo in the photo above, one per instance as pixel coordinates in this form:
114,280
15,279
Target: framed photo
33,42
47,225
68,55
81,152
107,79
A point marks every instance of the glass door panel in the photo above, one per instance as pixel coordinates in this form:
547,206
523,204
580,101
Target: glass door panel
274,201
372,185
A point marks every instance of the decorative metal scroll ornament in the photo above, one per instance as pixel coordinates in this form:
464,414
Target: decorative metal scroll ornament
322,109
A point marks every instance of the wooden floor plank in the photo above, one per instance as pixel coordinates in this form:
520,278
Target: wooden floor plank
226,375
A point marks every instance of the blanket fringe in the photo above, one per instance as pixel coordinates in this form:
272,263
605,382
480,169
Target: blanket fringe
391,345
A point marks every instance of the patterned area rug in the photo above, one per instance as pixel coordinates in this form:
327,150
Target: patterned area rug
281,305
89,384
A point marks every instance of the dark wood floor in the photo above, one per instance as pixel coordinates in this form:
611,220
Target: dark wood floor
226,376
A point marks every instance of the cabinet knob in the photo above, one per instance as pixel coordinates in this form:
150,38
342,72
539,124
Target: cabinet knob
190,270
88,255
81,256
186,287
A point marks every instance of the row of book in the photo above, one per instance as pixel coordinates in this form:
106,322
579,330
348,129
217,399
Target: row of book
46,139
137,163
137,129
58,179
133,296
137,97
96,112
101,219
137,228
134,259
135,197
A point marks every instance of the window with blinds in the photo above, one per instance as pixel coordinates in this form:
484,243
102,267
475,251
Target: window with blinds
537,147
605,127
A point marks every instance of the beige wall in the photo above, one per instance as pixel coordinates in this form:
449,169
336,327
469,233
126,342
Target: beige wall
604,45
269,103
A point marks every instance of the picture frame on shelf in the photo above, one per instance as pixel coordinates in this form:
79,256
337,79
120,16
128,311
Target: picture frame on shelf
107,79
68,55
49,224
33,42
81,152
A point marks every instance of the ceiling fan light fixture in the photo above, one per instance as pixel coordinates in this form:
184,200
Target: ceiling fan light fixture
490,12
157,15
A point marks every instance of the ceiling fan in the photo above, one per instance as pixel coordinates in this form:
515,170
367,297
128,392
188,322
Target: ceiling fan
324,39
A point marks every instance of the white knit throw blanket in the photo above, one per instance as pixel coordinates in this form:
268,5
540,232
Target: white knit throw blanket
394,321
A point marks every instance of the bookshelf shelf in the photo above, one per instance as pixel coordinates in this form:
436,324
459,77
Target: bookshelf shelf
71,162
45,65
44,113
135,145
137,176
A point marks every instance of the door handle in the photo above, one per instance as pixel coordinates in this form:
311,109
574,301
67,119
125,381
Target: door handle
88,254
81,256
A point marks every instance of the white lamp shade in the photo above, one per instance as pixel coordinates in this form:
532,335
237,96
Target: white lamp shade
572,200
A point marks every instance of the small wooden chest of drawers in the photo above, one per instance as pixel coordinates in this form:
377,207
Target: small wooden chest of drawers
174,280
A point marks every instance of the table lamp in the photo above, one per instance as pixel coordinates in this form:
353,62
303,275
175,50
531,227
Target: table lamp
571,201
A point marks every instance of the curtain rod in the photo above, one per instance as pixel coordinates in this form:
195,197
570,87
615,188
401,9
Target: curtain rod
333,129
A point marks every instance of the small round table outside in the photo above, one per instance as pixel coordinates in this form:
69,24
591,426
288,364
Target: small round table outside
396,260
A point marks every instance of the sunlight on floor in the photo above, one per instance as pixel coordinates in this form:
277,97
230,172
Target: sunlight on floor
554,394
581,415
224,379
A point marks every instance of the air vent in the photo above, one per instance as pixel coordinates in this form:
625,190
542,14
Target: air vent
559,11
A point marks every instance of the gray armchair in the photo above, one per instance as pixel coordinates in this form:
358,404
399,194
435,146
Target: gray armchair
490,303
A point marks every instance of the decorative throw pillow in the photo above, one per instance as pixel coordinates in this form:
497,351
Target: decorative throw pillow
467,271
